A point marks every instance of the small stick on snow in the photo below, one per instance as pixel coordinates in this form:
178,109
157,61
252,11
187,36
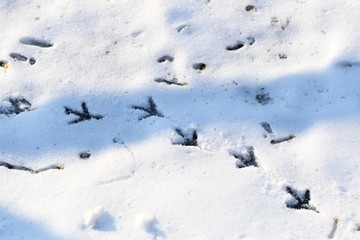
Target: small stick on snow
22,168
283,139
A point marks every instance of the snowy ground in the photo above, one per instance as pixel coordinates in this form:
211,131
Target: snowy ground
156,76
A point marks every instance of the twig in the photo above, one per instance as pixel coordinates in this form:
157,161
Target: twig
23,168
283,139
173,81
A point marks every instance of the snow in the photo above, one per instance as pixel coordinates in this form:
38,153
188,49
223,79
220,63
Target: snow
173,167
98,219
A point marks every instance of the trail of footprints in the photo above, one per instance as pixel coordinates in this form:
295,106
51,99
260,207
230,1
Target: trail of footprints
15,105
188,138
172,79
198,66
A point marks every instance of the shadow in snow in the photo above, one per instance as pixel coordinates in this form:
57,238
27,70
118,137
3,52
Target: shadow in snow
152,228
298,102
17,227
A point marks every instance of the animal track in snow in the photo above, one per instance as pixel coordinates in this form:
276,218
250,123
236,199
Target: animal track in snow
84,155
168,80
150,109
249,8
235,46
300,199
188,138
251,40
32,61
85,115
282,56
182,28
165,58
358,227
35,42
275,21
18,56
348,64
15,105
173,81
199,66
22,58
240,44
245,158
263,97
266,127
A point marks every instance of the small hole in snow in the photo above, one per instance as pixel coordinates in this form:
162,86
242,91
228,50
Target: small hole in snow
251,40
18,56
84,155
282,56
235,47
32,61
35,42
249,8
165,58
199,66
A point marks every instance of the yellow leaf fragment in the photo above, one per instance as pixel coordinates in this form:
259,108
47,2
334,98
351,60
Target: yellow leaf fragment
291,136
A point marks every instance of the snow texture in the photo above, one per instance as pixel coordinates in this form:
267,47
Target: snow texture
98,219
167,109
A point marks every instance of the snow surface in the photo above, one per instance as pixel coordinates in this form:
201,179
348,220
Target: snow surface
301,76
